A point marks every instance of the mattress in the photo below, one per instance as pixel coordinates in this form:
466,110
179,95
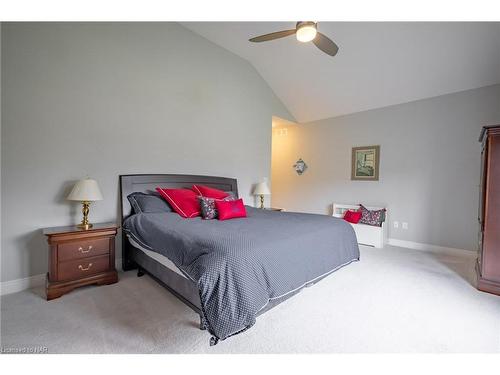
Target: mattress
156,256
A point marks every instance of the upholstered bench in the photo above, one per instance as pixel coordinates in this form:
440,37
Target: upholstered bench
367,234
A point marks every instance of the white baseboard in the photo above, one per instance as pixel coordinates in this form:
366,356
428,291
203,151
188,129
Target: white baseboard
118,264
18,285
422,246
14,286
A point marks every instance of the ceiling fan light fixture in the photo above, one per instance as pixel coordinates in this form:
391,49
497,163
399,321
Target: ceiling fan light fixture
306,32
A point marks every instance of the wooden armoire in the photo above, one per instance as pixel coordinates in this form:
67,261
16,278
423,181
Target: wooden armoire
488,262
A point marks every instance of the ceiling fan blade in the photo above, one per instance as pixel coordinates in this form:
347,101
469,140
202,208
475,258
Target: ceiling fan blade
271,36
325,44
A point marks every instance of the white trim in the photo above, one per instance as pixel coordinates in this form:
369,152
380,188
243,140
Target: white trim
422,246
14,286
18,285
118,264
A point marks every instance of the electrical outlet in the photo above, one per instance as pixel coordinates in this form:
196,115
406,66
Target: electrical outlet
405,225
396,224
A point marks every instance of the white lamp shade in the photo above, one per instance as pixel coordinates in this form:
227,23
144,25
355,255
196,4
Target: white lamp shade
261,189
85,190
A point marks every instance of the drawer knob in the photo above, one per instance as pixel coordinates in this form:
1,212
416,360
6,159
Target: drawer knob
85,251
85,269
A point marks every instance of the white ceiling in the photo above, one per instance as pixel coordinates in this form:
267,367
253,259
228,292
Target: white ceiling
378,64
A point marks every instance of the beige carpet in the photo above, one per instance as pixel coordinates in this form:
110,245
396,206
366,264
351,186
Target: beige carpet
393,300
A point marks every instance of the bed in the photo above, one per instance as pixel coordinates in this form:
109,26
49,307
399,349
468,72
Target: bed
230,272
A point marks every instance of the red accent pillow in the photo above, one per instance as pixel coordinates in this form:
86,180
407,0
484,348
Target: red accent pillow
352,216
183,201
230,209
209,192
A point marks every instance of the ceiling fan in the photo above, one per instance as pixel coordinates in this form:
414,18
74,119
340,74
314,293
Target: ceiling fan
305,31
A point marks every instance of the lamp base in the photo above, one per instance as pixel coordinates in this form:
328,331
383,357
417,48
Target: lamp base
85,210
261,201
85,226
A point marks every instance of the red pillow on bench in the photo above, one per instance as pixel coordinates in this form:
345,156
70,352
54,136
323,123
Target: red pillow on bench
183,201
352,216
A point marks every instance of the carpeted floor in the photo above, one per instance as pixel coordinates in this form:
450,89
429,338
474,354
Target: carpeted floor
393,300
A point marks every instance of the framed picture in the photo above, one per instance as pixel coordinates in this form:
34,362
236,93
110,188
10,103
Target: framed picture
365,163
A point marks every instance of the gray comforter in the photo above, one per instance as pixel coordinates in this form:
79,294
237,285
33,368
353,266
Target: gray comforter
240,265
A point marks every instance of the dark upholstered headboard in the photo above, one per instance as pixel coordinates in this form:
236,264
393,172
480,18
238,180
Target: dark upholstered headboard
147,183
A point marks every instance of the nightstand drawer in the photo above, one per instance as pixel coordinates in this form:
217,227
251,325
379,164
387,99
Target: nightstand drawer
82,249
76,269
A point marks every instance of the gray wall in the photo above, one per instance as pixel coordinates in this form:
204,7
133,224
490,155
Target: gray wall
108,99
429,167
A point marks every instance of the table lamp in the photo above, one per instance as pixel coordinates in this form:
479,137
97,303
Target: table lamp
85,191
261,189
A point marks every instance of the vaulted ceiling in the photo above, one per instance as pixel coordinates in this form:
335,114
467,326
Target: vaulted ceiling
378,64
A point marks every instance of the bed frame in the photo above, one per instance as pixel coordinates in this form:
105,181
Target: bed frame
133,258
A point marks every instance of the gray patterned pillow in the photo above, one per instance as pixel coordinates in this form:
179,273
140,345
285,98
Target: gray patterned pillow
375,218
207,205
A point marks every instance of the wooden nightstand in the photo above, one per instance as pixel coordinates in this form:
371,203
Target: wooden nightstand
80,257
